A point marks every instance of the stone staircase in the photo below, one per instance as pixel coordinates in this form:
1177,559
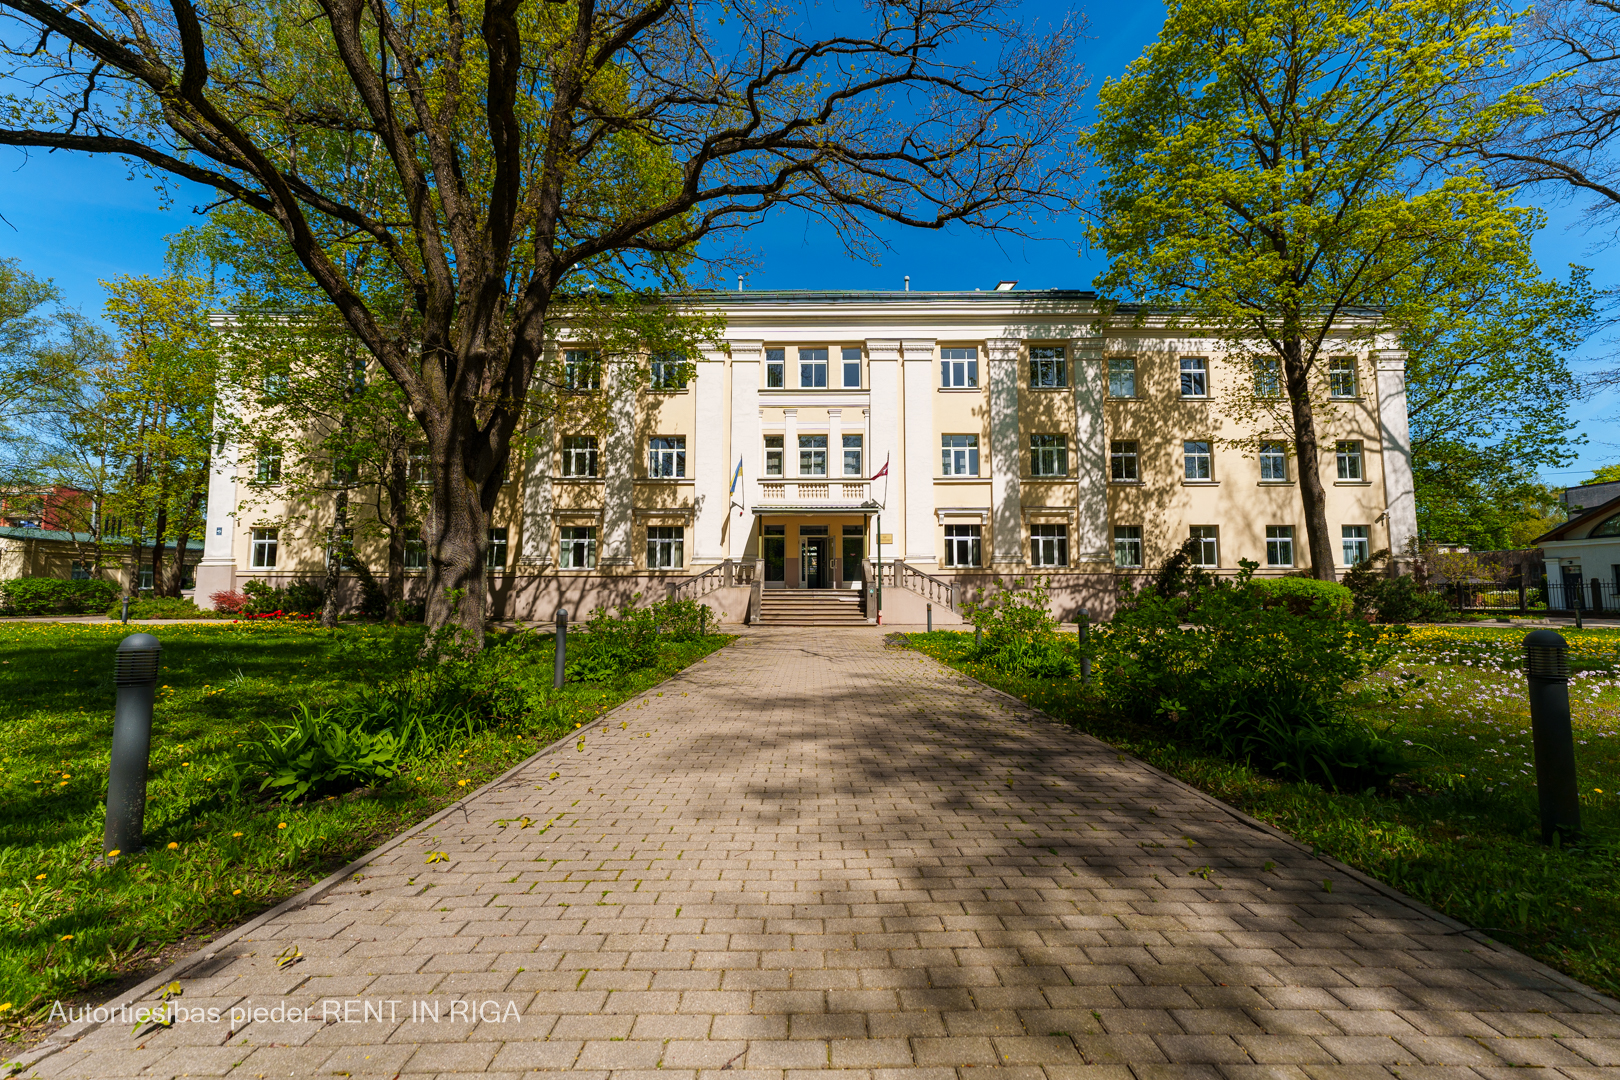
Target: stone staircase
810,607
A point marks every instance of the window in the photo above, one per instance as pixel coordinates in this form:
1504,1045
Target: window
1356,547
80,571
959,455
415,550
1048,455
1194,376
420,464
1342,376
1127,545
773,549
344,472
664,547
269,465
1049,545
576,547
579,455
962,545
1122,376
1273,461
1279,545
357,376
775,369
112,526
812,368
1267,378
495,550
1206,546
773,455
1048,367
274,383
669,371
958,368
852,456
582,370
1349,454
666,456
852,368
145,580
1196,456
1122,462
265,542
812,455
853,544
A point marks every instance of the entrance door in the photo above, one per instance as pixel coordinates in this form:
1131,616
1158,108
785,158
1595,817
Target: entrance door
813,569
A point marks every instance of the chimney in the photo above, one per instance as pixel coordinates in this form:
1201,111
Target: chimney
908,283
739,283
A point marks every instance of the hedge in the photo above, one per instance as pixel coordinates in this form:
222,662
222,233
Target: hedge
1301,594
53,596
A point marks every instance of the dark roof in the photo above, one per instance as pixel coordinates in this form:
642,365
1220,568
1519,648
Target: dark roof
1591,517
62,536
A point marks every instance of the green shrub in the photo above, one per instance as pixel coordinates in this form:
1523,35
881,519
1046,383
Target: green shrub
1305,596
614,644
304,597
1019,633
1229,670
53,596
1392,600
160,607
318,754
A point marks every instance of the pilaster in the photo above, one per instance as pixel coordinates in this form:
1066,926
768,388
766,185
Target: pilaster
712,469
1091,526
619,450
746,357
885,445
216,572
1400,499
922,452
1003,356
539,499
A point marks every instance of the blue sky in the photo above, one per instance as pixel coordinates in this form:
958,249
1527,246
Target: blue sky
79,220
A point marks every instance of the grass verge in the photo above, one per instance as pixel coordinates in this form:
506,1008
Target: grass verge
68,925
1460,829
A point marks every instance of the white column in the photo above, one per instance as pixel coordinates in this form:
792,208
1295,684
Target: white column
1400,498
618,486
711,470
884,444
745,361
1091,537
835,445
539,498
922,452
1006,455
217,570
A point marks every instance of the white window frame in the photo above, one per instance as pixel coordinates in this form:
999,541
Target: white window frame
959,368
813,457
1357,543
1268,377
1048,367
415,550
964,542
1274,462
668,373
1341,376
1197,460
265,549
666,547
267,466
850,360
580,460
419,464
1195,376
1351,459
774,455
576,547
1209,545
1128,546
959,455
776,369
1048,544
1124,462
1280,545
1048,454
854,455
813,365
1122,376
666,457
582,370
495,548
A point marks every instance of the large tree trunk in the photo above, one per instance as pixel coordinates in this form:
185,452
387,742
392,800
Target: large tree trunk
1309,461
399,513
465,484
337,553
175,581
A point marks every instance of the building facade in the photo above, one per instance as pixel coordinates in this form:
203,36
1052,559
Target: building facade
970,436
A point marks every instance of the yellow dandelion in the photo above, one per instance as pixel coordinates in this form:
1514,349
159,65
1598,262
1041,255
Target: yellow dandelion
1598,790
234,835
281,825
114,853
461,783
41,877
173,846
236,892
67,937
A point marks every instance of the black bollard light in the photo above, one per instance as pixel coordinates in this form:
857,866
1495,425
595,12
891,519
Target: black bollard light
930,609
1546,670
703,621
135,671
126,609
978,637
561,641
1085,645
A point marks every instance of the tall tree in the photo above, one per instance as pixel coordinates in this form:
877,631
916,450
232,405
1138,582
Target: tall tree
1276,172
514,159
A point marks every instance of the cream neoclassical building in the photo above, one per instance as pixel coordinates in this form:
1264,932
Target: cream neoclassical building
1019,440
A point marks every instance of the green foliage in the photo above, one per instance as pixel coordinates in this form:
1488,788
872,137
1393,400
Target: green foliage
303,597
318,754
160,607
53,596
1605,474
1392,599
1252,679
1304,596
1019,632
615,645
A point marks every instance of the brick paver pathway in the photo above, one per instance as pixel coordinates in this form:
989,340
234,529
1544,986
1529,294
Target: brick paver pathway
817,853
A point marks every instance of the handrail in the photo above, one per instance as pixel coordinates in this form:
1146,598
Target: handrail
932,588
715,577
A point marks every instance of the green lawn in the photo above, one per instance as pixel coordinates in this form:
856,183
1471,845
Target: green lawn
1460,829
66,923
